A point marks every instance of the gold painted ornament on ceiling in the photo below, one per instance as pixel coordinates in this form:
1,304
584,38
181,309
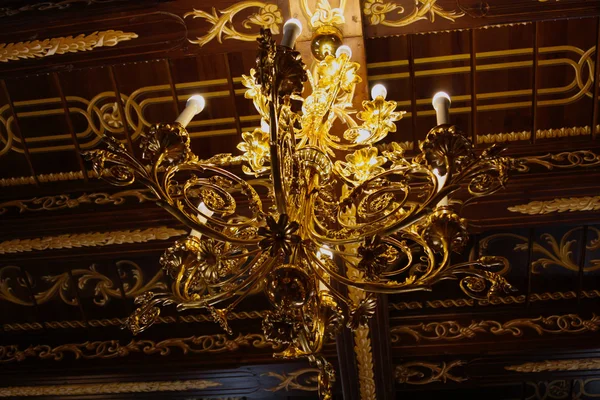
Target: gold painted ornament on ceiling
323,210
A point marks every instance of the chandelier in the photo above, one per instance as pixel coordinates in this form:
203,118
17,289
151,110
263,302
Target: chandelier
325,211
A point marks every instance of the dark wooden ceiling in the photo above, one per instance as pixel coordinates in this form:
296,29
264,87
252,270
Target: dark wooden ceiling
74,251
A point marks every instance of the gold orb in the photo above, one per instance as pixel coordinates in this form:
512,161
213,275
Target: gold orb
325,42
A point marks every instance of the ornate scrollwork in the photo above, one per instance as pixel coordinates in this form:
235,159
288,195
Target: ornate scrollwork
377,10
423,373
305,379
377,215
578,364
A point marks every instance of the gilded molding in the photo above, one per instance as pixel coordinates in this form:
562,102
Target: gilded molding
423,373
305,379
579,364
95,323
571,204
107,349
411,305
90,239
455,331
552,133
503,137
268,16
49,5
63,201
62,45
45,178
376,12
107,388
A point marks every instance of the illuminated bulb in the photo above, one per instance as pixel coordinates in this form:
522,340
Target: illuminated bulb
325,251
343,49
363,134
441,104
378,90
441,181
291,30
194,105
264,126
204,211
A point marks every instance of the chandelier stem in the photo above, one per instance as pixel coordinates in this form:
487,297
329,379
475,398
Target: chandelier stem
274,153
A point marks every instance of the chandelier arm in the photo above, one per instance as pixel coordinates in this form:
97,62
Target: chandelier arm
274,150
327,283
408,253
238,274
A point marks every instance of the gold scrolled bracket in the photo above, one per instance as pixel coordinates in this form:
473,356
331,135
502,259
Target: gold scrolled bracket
376,12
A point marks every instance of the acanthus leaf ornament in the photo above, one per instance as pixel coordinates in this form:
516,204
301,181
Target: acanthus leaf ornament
377,12
376,215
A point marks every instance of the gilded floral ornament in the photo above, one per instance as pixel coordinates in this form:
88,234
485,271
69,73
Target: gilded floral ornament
268,16
324,14
256,151
377,10
361,165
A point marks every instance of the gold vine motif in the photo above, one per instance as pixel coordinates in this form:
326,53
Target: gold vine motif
268,16
62,45
571,204
107,388
579,364
62,201
305,379
103,290
564,160
377,10
453,330
219,343
45,178
423,373
95,323
91,239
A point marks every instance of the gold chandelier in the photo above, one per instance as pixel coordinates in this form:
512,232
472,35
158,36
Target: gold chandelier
325,210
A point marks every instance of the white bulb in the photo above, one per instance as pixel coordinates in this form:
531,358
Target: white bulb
201,217
343,49
378,90
264,126
439,96
196,101
441,105
325,251
291,30
363,134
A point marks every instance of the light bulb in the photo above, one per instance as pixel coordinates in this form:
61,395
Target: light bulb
441,181
325,251
441,104
201,217
291,30
194,105
378,90
343,49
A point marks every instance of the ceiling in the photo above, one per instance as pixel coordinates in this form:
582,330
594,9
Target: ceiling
75,251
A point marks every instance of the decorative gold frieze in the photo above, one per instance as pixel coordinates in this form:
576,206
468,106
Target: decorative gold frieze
564,160
571,204
107,388
268,16
454,331
219,343
551,133
62,201
376,12
578,364
62,45
503,137
305,379
91,239
423,373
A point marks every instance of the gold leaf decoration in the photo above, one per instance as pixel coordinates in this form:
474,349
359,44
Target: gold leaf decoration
579,364
107,349
64,201
305,379
91,239
376,12
324,14
62,45
45,178
268,16
423,373
453,330
564,160
571,204
107,388
503,137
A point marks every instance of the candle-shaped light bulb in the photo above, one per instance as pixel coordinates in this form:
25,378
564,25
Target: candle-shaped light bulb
441,104
291,30
378,90
201,217
194,105
343,49
441,181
